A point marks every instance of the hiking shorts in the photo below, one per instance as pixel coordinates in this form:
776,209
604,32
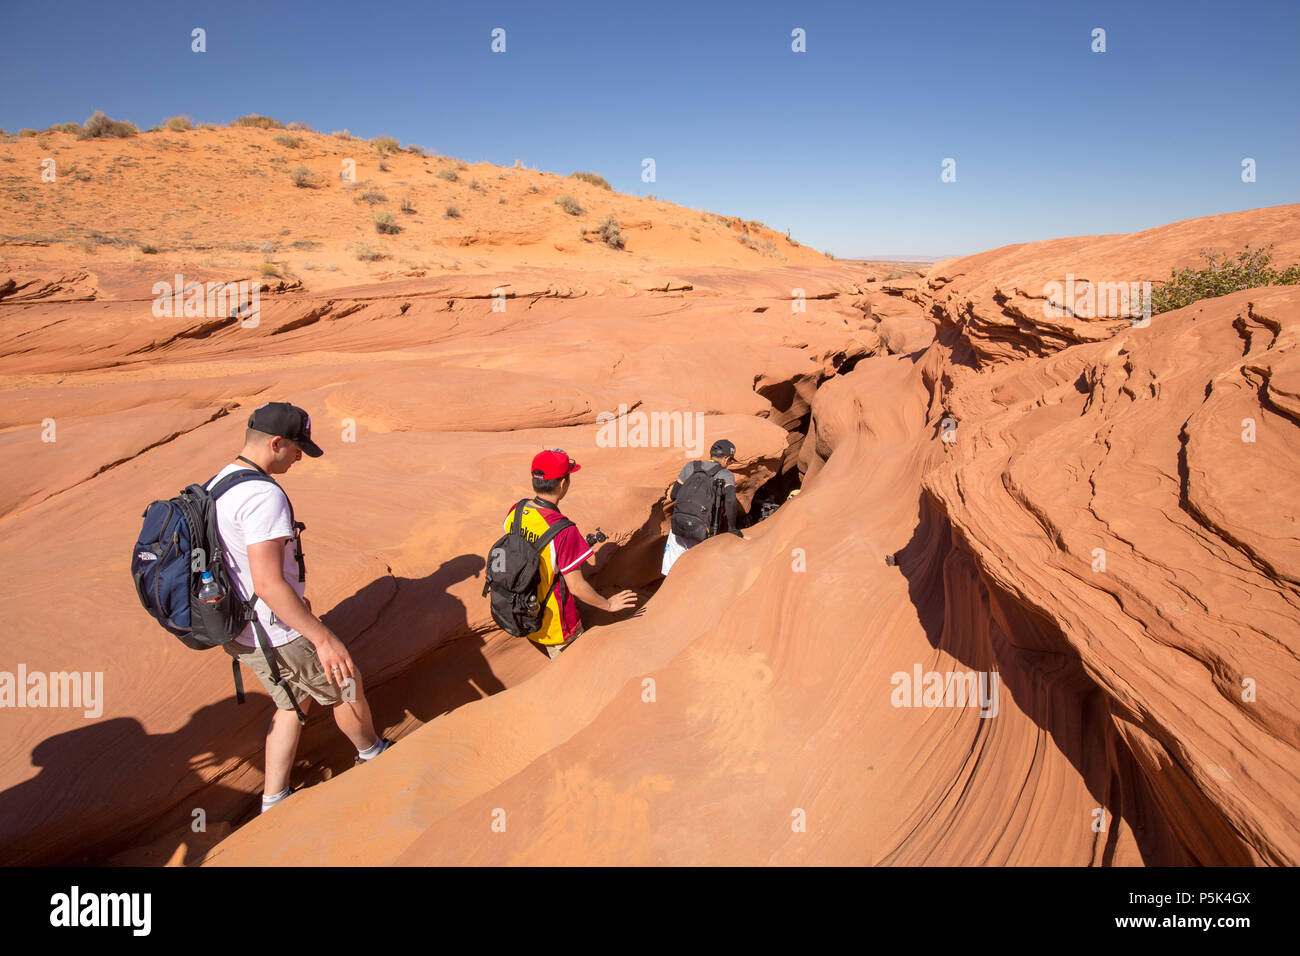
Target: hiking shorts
553,650
299,666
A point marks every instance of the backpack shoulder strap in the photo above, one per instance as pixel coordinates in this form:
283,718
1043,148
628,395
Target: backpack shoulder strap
551,532
249,474
238,478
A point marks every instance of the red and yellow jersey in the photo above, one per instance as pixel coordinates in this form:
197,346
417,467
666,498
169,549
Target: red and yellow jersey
566,551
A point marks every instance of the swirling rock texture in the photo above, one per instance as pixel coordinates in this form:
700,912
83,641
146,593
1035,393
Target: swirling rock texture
1093,519
430,392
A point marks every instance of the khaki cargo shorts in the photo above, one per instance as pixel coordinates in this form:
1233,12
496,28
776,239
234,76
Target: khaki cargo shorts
299,666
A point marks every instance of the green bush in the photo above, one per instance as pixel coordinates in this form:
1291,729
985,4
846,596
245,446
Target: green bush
1252,268
100,126
179,123
448,174
284,139
569,205
594,178
610,232
260,122
386,223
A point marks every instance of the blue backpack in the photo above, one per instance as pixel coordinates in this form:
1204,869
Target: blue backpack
178,542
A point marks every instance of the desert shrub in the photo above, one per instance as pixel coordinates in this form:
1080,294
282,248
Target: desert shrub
569,205
26,133
267,248
372,198
284,139
594,178
302,177
1221,275
268,269
368,253
407,206
259,122
64,128
383,166
299,127
451,212
448,174
100,126
893,275
178,123
386,144
610,232
417,150
149,249
386,223
342,134
533,189
829,255
305,244
475,185
766,247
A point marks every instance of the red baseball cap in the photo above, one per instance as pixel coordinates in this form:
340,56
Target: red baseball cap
553,463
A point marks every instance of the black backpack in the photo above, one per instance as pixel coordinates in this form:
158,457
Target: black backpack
178,542
513,575
697,510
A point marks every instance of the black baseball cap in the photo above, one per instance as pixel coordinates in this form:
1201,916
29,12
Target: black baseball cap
722,447
287,421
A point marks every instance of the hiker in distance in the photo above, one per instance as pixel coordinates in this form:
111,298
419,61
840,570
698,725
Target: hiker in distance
535,575
704,502
287,646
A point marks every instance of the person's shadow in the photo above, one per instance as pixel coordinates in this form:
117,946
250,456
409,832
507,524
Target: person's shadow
111,792
86,803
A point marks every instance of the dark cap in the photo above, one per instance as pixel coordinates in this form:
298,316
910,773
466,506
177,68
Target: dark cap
287,421
722,447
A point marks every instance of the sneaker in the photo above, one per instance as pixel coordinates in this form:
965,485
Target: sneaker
385,741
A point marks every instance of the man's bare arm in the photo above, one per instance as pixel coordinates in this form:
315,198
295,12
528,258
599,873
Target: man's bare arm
266,563
585,593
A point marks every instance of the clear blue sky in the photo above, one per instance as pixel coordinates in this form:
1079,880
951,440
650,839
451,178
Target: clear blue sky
841,144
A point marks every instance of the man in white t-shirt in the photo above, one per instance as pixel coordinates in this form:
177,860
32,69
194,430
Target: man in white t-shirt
263,555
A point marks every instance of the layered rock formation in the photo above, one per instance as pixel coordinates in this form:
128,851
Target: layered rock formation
1090,518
